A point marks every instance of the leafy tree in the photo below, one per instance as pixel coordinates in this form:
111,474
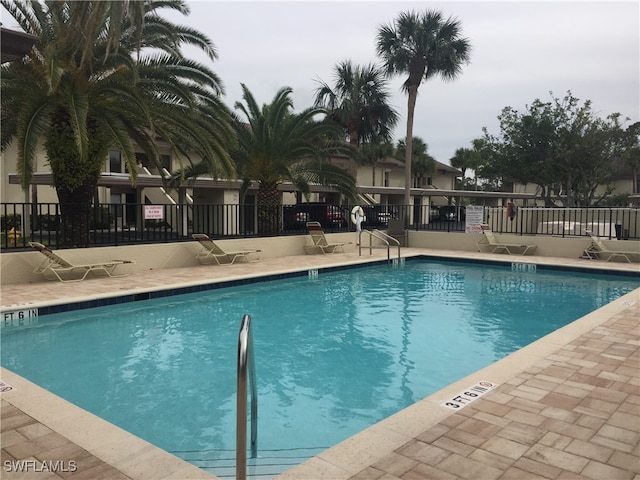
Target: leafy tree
561,146
359,102
102,75
422,164
630,154
276,145
422,46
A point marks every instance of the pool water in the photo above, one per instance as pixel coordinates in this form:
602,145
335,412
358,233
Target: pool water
334,353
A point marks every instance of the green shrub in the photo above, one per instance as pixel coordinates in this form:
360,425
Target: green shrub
7,222
100,218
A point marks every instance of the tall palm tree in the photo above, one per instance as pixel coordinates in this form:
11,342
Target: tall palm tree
275,145
107,75
422,46
359,102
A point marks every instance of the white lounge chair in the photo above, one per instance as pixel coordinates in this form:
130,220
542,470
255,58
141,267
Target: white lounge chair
599,250
54,266
320,243
492,244
211,252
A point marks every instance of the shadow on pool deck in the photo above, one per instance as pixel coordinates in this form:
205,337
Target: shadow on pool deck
567,406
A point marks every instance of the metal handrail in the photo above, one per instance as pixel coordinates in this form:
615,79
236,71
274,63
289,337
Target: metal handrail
246,369
382,236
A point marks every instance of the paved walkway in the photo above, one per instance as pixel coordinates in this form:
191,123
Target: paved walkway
566,407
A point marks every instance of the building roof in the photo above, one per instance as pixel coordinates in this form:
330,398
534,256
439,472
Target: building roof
440,167
15,45
146,181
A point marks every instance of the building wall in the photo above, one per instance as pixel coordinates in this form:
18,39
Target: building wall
387,174
13,193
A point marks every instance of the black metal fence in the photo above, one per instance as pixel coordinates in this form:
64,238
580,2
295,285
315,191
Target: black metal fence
119,224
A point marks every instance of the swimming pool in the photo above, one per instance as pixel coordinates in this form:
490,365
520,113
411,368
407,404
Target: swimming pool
401,326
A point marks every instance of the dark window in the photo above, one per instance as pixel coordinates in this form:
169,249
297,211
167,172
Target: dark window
165,162
115,161
142,159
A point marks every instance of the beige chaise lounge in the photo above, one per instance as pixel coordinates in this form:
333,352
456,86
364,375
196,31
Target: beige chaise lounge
210,252
599,250
320,243
54,266
492,244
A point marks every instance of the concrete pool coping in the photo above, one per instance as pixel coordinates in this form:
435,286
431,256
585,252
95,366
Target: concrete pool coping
106,448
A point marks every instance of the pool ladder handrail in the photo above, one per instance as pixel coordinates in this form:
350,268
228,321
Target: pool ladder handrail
246,370
383,237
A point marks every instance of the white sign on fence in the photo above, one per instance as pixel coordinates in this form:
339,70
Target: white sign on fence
474,219
153,212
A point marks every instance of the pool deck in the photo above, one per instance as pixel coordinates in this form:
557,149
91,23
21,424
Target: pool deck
566,406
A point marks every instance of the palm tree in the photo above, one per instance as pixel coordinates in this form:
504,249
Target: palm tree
421,46
462,159
89,85
422,164
469,158
372,152
277,145
359,102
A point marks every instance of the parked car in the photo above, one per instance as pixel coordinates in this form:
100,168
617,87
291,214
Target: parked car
329,216
377,215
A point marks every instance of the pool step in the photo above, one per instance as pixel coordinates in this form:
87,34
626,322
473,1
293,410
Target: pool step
268,464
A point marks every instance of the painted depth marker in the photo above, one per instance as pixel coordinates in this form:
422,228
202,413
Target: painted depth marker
469,395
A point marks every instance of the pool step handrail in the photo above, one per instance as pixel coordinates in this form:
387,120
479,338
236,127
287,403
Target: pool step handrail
246,372
385,238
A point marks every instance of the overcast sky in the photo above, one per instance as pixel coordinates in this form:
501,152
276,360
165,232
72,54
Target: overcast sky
521,51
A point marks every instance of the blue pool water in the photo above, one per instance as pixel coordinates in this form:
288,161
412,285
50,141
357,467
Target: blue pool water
334,354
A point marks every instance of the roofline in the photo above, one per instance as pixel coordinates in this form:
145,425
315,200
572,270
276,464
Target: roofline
143,180
15,44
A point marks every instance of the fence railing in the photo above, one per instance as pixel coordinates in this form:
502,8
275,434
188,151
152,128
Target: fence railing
123,224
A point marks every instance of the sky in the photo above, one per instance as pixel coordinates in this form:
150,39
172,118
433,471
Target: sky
521,51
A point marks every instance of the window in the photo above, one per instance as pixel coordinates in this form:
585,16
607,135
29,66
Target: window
165,162
142,159
115,161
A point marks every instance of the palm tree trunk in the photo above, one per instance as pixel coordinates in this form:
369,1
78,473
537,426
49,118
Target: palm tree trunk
74,215
411,106
269,209
75,178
